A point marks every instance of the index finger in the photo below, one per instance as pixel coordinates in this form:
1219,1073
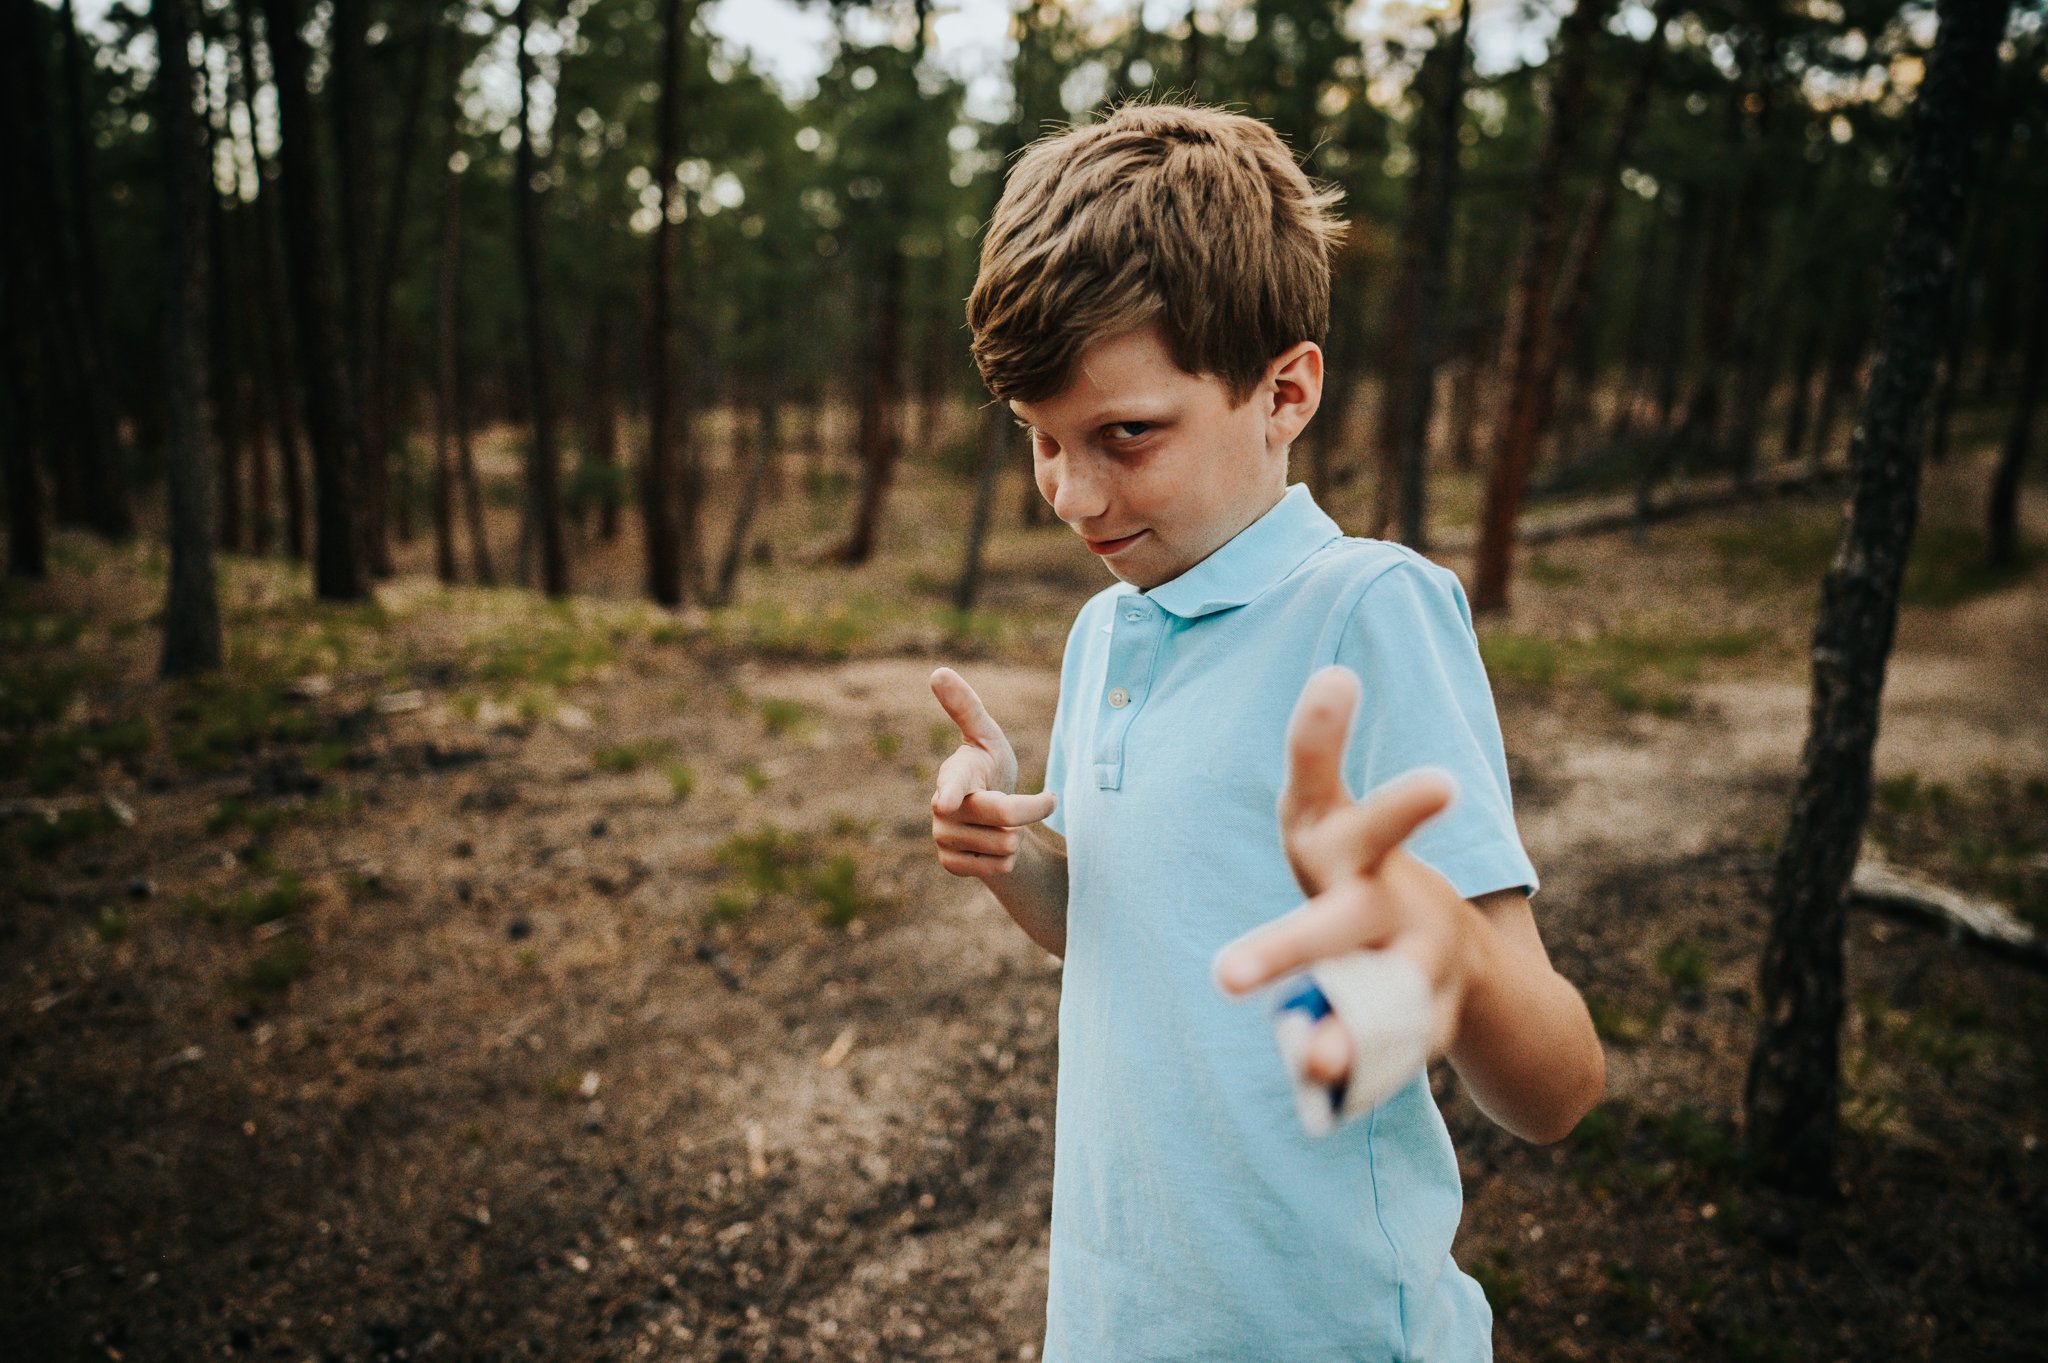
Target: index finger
965,709
1315,741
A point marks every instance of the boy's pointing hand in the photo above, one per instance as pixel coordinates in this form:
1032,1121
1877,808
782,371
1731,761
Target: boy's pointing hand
1367,892
975,810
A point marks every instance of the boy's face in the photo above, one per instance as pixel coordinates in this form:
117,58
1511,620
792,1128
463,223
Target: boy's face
1157,468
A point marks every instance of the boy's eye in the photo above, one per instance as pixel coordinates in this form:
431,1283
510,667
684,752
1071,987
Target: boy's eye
1128,430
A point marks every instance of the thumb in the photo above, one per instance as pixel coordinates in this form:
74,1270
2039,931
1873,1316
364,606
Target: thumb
998,810
960,776
1316,737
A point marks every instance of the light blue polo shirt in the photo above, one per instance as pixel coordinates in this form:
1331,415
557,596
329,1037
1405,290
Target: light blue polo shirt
1192,1219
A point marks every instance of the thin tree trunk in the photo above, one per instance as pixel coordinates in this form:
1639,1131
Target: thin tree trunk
767,420
544,462
349,107
465,468
444,359
1411,363
90,485
276,374
191,641
383,398
340,572
221,317
658,468
997,435
2002,507
1791,1094
880,411
21,436
1522,414
601,421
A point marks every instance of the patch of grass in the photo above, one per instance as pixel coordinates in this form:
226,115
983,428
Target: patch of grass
1683,964
260,819
730,904
219,720
942,739
836,887
1502,1283
885,745
681,780
39,692
1545,572
111,923
46,837
755,779
276,967
54,759
284,897
1620,665
783,717
1947,566
548,657
766,860
621,758
827,633
1616,1022
1703,1148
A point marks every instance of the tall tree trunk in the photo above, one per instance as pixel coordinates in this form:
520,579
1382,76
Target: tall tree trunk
881,404
349,107
1520,423
275,376
995,433
2002,508
444,358
383,399
104,451
1969,272
191,611
601,420
1410,366
340,572
658,468
91,487
465,468
544,463
21,437
1791,1095
758,455
221,318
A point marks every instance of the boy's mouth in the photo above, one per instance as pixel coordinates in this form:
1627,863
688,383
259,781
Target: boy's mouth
1115,546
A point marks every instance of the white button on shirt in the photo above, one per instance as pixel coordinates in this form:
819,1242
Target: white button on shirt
1119,698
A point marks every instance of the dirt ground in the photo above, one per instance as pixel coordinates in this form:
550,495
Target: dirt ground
481,979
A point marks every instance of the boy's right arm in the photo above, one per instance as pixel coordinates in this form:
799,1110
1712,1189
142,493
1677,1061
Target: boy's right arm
985,830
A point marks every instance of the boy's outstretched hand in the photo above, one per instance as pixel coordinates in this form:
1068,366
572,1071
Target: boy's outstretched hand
1367,892
976,814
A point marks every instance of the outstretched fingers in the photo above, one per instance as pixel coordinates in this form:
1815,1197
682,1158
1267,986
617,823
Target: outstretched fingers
1328,925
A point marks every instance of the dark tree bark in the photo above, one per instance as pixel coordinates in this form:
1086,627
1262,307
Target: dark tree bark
223,337
191,611
1791,1096
1519,426
340,570
1407,403
465,469
658,505
997,435
544,462
444,358
2002,508
601,418
881,409
84,221
350,113
28,543
386,418
91,487
758,455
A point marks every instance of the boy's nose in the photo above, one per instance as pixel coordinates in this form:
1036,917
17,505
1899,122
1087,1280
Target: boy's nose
1076,494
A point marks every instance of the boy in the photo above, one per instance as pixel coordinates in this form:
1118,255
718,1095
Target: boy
1152,294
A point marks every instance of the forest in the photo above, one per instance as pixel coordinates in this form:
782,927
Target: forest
486,483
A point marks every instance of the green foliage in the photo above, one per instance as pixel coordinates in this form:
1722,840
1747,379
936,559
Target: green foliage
250,907
681,780
1684,964
276,968
1502,1283
782,717
1622,665
764,860
223,718
840,897
1616,1022
110,924
620,758
47,836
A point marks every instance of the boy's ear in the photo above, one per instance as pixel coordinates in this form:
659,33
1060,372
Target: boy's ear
1294,381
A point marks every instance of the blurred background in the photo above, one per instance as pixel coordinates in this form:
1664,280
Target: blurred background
485,486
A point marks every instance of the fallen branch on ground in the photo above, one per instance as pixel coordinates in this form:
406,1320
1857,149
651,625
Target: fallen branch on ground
1605,515
1904,894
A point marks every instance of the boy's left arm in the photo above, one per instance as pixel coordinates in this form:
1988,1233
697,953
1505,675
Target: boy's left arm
1515,1030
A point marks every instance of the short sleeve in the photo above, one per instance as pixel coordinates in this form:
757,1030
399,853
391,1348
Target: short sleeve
1426,703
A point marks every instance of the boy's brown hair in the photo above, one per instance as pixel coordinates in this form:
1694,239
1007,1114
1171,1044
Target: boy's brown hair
1190,217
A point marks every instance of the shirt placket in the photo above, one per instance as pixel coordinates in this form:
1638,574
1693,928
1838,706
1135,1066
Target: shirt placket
1135,635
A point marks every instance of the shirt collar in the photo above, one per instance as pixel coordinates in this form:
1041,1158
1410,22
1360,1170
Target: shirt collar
1258,556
